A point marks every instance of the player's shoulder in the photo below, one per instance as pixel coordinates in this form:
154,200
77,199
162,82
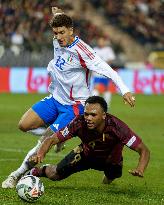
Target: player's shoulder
74,43
85,50
113,120
78,43
83,45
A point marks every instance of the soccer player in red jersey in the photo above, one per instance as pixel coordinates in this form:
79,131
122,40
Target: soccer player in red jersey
103,137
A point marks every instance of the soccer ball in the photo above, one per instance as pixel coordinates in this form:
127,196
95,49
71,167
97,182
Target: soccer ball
30,188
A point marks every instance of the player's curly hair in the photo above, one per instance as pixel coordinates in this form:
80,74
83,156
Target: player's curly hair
61,20
99,100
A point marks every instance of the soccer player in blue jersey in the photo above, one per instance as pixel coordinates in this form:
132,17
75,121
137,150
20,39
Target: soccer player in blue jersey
70,76
103,138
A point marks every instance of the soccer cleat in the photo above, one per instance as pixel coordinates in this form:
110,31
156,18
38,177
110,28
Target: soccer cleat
34,171
59,147
10,182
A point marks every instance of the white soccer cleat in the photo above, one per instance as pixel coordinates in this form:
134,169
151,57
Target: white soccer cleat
10,182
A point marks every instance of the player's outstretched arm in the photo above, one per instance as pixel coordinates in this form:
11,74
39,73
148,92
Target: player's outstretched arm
44,148
143,160
129,98
101,67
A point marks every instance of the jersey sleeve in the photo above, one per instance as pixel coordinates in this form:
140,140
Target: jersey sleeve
95,63
126,135
69,131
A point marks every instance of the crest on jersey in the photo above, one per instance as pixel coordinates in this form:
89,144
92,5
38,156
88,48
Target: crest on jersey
65,132
70,58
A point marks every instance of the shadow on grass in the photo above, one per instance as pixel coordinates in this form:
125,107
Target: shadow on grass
130,191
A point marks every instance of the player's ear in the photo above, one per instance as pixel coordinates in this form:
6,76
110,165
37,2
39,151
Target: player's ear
104,116
71,31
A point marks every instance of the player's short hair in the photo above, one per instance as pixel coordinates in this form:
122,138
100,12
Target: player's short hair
61,20
99,100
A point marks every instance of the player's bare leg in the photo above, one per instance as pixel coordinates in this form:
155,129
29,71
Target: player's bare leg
26,165
48,171
32,123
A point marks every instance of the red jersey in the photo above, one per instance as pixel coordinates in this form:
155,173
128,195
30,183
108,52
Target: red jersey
107,145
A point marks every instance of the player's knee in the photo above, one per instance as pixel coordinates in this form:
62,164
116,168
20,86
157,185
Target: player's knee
51,173
29,121
26,125
22,126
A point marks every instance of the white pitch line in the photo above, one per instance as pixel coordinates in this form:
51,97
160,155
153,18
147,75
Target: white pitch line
8,159
15,159
12,150
24,151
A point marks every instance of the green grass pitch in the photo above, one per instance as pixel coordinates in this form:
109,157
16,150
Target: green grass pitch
85,188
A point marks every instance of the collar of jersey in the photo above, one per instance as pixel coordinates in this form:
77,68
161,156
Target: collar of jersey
74,42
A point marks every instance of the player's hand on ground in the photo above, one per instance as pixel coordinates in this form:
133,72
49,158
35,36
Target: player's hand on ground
136,172
129,98
56,10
